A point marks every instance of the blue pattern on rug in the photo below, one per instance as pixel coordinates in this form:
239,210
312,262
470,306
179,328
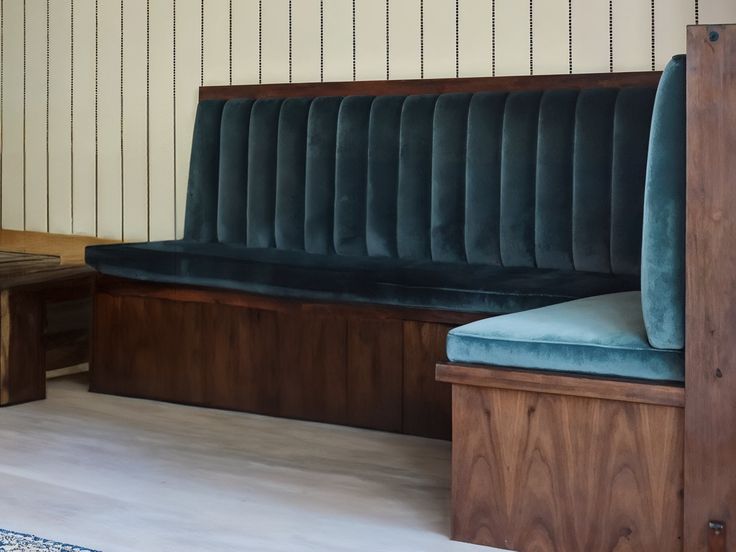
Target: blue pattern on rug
11,541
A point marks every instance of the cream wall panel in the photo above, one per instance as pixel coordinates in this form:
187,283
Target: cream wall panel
216,42
187,86
60,145
305,41
551,37
135,121
370,38
671,18
36,175
439,38
275,41
590,36
83,126
475,38
404,39
717,11
245,41
632,35
338,40
12,183
109,144
512,37
161,122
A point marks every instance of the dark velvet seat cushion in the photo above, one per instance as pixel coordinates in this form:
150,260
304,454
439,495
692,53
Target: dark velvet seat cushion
389,281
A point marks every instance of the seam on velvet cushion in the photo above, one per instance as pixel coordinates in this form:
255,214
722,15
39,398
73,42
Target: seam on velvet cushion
480,338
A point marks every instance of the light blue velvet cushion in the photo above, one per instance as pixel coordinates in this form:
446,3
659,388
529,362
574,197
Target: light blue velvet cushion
663,244
601,335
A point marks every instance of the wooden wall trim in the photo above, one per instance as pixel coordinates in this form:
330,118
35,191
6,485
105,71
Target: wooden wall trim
562,384
430,86
710,375
192,294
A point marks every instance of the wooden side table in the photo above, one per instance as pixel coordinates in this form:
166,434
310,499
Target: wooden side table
34,289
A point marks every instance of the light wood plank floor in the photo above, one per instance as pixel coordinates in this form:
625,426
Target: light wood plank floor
123,474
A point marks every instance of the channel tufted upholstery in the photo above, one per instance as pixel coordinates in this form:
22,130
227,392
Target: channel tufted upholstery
634,334
530,179
486,202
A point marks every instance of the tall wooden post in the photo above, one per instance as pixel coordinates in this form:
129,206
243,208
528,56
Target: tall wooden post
710,403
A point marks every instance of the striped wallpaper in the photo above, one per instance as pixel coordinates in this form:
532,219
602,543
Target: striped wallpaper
97,97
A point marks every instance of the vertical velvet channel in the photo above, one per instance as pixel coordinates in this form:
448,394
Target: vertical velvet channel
550,179
291,174
483,178
518,178
233,189
415,178
319,208
663,247
448,177
262,159
200,221
383,175
351,174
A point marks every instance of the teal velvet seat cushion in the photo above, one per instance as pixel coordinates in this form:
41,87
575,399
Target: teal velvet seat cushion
360,279
602,335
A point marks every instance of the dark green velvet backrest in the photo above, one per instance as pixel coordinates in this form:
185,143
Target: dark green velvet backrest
550,179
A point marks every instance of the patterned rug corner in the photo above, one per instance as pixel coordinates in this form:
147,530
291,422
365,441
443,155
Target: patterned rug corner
11,541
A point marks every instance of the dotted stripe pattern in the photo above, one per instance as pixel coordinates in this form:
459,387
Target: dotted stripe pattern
230,23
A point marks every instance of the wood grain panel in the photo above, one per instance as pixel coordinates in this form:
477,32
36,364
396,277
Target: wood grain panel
22,358
710,353
432,86
427,402
12,123
60,124
36,176
375,357
83,124
312,364
533,471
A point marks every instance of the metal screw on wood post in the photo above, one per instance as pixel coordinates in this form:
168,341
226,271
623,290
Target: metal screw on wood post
713,36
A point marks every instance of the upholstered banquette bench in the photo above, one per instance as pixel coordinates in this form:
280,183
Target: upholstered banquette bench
335,233
568,419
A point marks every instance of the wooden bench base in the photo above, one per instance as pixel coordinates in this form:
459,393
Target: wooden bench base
363,366
584,464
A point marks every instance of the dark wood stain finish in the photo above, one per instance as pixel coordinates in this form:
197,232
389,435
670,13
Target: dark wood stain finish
430,86
553,471
359,365
710,377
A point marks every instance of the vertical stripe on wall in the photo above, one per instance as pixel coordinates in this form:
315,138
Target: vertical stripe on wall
35,191
12,129
97,97
404,40
439,39
304,54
